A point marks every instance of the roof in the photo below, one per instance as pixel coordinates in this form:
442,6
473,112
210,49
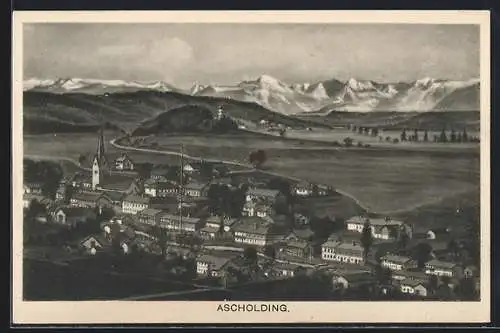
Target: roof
87,196
252,225
114,196
299,244
349,249
396,259
185,219
216,261
77,211
116,182
195,186
330,243
123,157
137,198
285,265
410,274
99,238
209,229
150,212
373,221
441,264
263,192
355,277
304,233
82,177
412,283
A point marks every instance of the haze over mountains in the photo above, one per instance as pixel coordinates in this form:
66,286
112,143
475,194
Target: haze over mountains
320,98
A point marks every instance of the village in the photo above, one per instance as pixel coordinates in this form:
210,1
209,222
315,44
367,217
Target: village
222,228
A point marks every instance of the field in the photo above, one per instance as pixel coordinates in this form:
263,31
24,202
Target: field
383,179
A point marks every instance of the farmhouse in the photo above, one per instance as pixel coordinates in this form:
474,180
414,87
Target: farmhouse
196,189
351,280
303,189
133,204
300,234
328,249
32,188
255,231
413,287
382,228
73,216
124,163
90,199
347,253
212,265
397,263
95,243
297,248
158,187
178,223
260,209
286,270
262,194
443,268
149,216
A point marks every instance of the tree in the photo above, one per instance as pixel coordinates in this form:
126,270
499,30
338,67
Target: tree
403,135
354,128
348,142
453,248
250,255
173,173
383,275
465,136
360,130
206,170
367,130
459,137
395,140
257,158
415,135
388,138
426,136
270,251
433,283
366,239
403,240
144,170
161,236
422,253
374,131
453,136
82,159
442,136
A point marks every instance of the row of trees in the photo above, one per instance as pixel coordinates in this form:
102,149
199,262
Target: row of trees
454,137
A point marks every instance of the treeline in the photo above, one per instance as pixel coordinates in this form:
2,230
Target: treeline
416,135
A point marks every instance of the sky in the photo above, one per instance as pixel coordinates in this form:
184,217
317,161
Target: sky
208,53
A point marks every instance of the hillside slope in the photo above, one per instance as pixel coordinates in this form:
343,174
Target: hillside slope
47,112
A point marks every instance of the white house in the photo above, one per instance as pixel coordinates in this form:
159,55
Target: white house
211,265
397,263
443,268
381,228
133,204
124,162
343,252
413,287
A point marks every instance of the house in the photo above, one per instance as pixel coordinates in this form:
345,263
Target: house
397,263
179,223
285,270
212,227
29,197
351,280
438,233
63,192
297,248
212,265
73,216
443,268
263,194
119,183
191,168
300,234
158,187
414,287
133,204
149,216
382,228
347,253
115,198
255,231
196,189
81,180
260,209
32,188
411,275
328,249
90,199
303,189
94,243
124,163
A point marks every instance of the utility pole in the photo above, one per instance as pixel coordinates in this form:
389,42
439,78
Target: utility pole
181,176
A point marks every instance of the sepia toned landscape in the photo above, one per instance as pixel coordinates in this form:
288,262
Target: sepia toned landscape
172,166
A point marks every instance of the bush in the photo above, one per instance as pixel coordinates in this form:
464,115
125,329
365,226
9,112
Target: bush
395,140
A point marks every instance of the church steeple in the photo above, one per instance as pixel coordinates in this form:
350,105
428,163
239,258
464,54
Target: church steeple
99,163
100,145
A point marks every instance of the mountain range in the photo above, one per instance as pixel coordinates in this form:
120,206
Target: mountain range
319,98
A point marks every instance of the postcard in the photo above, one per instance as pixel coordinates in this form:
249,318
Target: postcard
251,167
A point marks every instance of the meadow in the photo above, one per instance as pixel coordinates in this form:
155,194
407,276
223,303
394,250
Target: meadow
383,179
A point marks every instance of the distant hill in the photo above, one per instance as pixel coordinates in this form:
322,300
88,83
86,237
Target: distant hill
49,113
434,120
